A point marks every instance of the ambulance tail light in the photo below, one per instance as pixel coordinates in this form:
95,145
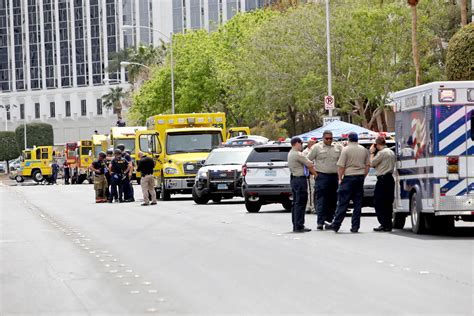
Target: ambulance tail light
452,164
244,170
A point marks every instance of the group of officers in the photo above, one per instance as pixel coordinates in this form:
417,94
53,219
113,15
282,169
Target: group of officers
337,173
113,173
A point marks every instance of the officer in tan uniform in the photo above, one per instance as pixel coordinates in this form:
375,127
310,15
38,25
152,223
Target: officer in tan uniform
353,168
310,205
325,155
300,167
383,160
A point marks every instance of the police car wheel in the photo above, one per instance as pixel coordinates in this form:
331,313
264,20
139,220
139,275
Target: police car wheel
217,198
199,199
418,220
37,176
287,205
252,206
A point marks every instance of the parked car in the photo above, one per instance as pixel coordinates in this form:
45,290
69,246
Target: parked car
3,167
221,175
266,177
246,140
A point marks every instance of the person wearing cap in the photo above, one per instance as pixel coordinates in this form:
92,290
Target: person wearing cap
310,205
99,167
383,160
118,167
325,155
145,166
353,168
300,167
127,175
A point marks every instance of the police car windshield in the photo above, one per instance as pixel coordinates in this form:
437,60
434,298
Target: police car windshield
227,157
268,154
187,142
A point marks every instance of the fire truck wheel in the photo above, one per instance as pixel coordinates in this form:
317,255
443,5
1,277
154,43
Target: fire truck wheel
398,220
418,219
19,179
37,176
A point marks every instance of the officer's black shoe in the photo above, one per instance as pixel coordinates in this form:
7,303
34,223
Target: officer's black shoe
302,230
382,229
110,201
320,227
144,204
353,230
330,226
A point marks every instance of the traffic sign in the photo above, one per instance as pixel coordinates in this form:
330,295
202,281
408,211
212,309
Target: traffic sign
330,119
329,102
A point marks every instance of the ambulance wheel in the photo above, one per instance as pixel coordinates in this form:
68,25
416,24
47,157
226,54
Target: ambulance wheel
37,176
418,219
200,200
398,220
165,194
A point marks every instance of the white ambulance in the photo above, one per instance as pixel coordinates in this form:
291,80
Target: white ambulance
434,127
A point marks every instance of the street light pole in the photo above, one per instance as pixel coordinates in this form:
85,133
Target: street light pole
128,63
170,39
328,44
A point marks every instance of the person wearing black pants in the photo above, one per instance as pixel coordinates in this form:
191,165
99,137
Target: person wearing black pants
383,160
300,167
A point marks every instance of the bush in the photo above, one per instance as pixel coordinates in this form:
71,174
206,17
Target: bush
460,55
37,134
8,147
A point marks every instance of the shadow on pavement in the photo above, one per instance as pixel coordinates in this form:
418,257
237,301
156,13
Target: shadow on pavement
463,233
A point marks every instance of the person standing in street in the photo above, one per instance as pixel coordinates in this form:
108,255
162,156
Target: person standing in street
353,168
99,167
300,167
55,171
127,176
147,182
310,205
325,155
383,160
66,172
117,167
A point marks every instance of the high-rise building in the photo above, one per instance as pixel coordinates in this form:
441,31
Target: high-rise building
54,54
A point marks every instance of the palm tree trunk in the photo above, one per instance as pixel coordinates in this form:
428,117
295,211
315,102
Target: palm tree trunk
463,13
414,44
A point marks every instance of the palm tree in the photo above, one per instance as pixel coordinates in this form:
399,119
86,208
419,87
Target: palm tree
414,43
464,13
113,100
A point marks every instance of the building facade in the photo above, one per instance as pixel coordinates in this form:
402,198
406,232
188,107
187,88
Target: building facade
54,54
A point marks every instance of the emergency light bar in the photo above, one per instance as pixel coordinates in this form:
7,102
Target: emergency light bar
447,95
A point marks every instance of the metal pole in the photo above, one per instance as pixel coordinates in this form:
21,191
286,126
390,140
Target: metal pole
172,72
328,44
6,119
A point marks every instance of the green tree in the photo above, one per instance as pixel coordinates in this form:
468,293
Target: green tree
8,148
460,56
113,100
37,134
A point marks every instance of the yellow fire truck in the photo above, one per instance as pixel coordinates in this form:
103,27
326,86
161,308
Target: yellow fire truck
180,144
36,163
99,143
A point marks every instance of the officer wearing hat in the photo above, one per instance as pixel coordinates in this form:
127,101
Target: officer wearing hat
353,168
383,160
325,155
118,167
99,167
300,167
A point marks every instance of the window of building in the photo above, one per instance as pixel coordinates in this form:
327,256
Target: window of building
99,106
68,108
22,111
83,108
52,109
8,109
37,110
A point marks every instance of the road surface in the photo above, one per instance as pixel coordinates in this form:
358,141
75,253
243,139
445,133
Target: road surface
63,254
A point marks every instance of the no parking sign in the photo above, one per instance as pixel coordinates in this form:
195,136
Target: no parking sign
329,102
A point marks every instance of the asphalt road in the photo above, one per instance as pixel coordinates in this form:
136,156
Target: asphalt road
62,254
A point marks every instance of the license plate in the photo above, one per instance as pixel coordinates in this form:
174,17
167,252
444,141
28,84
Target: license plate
270,173
222,186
